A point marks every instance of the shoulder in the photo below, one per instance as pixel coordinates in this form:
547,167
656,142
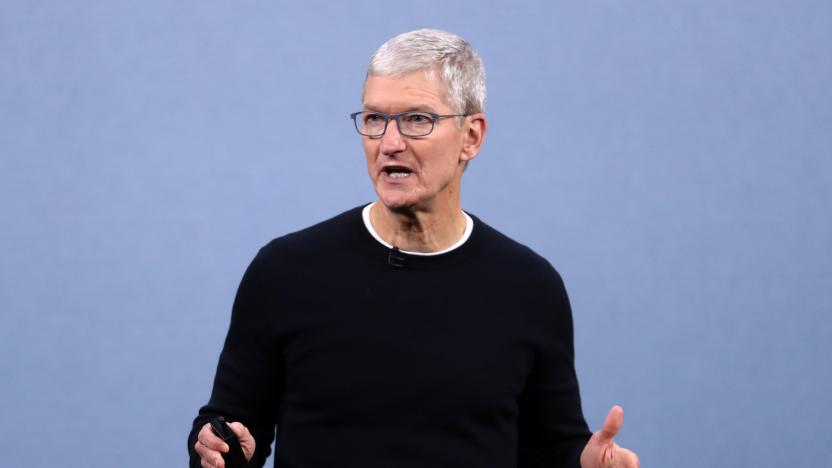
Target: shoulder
319,233
511,254
534,285
324,238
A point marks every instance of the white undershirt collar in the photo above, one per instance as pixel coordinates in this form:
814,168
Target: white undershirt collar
469,226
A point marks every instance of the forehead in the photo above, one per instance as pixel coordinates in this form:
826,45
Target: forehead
416,90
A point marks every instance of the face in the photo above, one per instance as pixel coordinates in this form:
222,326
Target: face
418,173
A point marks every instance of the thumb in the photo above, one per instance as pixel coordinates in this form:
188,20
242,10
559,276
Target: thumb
247,442
612,424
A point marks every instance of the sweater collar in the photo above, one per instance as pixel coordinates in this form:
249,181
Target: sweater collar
469,227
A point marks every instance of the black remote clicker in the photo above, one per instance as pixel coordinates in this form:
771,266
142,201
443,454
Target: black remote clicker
234,458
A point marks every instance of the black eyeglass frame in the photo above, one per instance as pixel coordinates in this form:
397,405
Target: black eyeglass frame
387,117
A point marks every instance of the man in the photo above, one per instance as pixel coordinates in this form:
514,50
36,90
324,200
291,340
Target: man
406,333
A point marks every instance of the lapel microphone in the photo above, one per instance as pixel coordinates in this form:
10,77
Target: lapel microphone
395,258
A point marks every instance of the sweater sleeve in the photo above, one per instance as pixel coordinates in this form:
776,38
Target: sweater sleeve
552,429
249,378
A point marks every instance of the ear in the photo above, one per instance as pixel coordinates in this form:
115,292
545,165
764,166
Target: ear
473,136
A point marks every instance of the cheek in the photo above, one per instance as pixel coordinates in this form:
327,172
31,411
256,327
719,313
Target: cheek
369,149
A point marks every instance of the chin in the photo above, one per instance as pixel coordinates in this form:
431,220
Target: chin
397,201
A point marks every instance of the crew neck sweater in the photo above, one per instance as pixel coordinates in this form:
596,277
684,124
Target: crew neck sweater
463,359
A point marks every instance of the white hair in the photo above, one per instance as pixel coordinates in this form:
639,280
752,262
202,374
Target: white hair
432,50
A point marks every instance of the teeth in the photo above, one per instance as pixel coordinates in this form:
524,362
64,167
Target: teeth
399,175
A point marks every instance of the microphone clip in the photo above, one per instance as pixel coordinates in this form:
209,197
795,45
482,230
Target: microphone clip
395,258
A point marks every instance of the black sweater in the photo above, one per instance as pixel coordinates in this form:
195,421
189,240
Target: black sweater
460,360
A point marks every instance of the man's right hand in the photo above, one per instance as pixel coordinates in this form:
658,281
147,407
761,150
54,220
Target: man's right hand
210,447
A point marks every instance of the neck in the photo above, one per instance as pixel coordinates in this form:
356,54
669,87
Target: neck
419,230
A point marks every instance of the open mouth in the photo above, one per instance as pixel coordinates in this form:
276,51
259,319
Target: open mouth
397,172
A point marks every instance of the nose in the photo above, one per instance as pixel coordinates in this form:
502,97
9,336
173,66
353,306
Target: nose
392,140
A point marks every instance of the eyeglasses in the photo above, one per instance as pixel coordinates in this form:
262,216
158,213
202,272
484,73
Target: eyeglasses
411,124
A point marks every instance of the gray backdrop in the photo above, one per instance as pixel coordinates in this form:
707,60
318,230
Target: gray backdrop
671,159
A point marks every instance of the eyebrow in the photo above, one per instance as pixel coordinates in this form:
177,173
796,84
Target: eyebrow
414,108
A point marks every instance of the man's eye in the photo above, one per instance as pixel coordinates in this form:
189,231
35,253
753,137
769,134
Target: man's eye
418,118
373,118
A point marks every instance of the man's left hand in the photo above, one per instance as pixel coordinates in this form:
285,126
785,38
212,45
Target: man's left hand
602,452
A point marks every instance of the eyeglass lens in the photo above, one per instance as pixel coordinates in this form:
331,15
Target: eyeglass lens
410,123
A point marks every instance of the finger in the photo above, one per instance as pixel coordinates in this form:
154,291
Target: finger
201,449
213,461
208,439
240,430
623,458
207,445
612,424
629,458
247,442
208,457
205,463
